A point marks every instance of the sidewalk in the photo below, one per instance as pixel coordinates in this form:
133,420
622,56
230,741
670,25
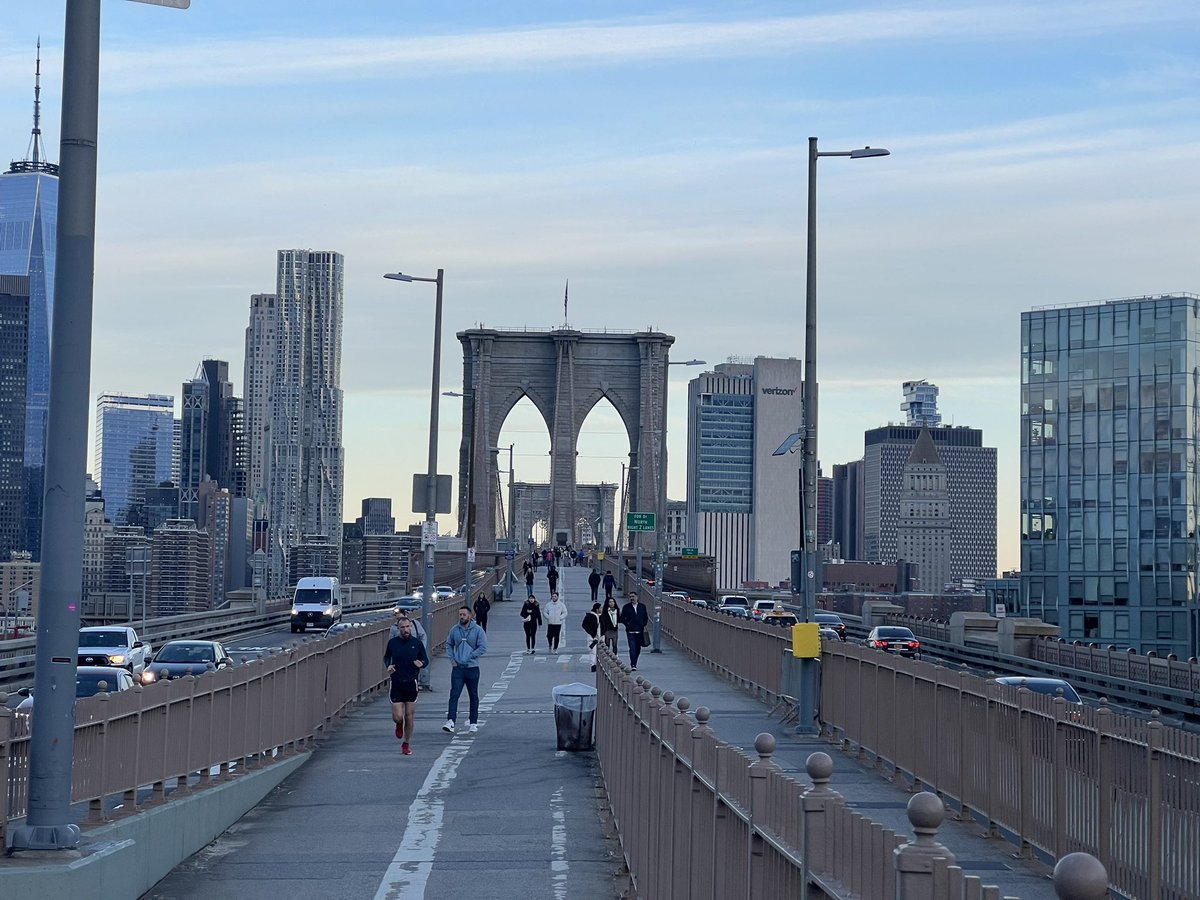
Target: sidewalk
500,814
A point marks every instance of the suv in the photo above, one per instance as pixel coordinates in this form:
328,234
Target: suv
733,600
762,607
112,645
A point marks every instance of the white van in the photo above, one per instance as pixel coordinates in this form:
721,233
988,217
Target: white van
317,602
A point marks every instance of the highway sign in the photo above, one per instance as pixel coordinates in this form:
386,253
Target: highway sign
640,521
690,553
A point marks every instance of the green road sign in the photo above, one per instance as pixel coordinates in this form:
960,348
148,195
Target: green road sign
690,553
640,521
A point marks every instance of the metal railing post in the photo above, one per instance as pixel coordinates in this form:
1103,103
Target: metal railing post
815,832
1154,773
1104,783
914,860
760,771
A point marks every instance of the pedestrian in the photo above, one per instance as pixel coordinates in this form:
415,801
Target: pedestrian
531,615
594,583
609,584
555,615
404,657
403,615
552,578
557,556
529,581
482,607
635,619
591,627
464,645
610,618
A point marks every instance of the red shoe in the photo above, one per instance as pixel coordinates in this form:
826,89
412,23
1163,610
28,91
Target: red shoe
400,731
405,749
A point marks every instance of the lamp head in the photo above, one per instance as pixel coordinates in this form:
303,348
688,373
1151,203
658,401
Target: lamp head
869,151
400,276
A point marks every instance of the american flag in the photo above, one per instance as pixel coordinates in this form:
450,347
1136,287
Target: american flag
566,289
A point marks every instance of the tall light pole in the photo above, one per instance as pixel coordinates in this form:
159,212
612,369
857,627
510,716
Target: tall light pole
509,525
429,532
660,558
810,560
52,737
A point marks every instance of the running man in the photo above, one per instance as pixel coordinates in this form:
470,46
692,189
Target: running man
404,657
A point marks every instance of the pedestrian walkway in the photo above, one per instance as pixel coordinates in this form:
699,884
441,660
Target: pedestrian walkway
498,814
502,814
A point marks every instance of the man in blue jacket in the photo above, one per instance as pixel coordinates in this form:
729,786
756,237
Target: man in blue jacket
466,643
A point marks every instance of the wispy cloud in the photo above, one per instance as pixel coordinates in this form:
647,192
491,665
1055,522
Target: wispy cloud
265,60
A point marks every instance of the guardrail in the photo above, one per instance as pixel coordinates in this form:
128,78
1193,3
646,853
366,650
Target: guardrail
698,818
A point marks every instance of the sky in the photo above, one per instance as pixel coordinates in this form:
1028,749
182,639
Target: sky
655,155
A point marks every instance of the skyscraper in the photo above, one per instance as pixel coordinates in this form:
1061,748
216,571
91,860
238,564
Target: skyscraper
303,451
262,341
970,481
1109,491
743,504
28,223
134,436
924,528
14,333
920,404
211,436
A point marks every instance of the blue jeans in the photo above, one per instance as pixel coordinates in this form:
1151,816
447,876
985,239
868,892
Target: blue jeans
635,646
459,676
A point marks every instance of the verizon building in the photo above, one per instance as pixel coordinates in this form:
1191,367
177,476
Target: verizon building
743,504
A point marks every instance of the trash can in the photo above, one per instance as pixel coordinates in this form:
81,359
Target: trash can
574,714
497,593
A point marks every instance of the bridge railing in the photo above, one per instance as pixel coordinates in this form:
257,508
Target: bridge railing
698,818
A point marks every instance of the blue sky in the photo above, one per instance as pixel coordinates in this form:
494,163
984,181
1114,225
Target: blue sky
1042,153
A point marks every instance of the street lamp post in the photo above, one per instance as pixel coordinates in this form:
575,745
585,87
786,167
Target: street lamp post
509,526
808,510
660,522
428,537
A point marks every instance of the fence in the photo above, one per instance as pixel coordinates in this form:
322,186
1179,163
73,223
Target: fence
1063,777
697,818
238,717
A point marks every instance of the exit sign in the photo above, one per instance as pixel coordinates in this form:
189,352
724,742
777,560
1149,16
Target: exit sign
690,553
640,521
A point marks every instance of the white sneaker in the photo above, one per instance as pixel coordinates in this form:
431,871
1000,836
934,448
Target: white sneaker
449,726
474,729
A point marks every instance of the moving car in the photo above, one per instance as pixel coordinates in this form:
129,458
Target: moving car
87,683
734,600
316,602
112,645
779,617
1048,686
740,612
833,621
444,592
828,634
178,658
762,607
682,596
894,639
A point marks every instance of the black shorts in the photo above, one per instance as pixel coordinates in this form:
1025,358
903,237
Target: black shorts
404,691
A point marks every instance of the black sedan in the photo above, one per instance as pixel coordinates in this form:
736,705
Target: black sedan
894,639
178,658
831,620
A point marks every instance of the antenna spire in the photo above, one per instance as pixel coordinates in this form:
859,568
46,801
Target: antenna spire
35,162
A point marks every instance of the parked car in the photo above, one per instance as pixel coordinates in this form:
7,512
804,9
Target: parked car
833,621
178,658
762,607
112,645
894,639
87,683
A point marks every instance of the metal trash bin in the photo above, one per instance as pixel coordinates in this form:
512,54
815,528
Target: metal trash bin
497,593
574,715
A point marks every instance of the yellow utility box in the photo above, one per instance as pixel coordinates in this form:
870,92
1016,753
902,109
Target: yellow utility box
806,640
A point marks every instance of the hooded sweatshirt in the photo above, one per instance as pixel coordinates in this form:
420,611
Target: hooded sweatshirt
555,612
466,644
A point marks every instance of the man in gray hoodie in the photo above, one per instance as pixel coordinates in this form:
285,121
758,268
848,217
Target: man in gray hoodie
465,644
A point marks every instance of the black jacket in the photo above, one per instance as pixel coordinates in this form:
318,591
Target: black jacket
534,611
591,623
594,579
634,620
482,607
606,621
402,653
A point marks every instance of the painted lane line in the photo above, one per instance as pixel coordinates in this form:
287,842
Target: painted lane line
407,875
558,846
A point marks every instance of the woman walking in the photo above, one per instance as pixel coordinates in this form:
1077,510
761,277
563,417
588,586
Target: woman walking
531,615
556,617
591,627
610,617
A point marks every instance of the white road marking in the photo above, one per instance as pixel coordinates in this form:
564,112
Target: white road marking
408,874
558,846
565,658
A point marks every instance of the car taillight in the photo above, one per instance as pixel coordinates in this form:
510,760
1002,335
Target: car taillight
914,644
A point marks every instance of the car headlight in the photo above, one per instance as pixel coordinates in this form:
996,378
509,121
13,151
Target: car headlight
117,660
295,612
149,677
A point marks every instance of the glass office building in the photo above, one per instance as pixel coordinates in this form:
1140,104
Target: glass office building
134,439
1109,493
28,229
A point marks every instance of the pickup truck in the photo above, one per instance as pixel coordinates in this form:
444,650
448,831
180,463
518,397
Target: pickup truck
112,645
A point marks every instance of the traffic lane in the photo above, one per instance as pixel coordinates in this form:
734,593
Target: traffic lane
249,646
